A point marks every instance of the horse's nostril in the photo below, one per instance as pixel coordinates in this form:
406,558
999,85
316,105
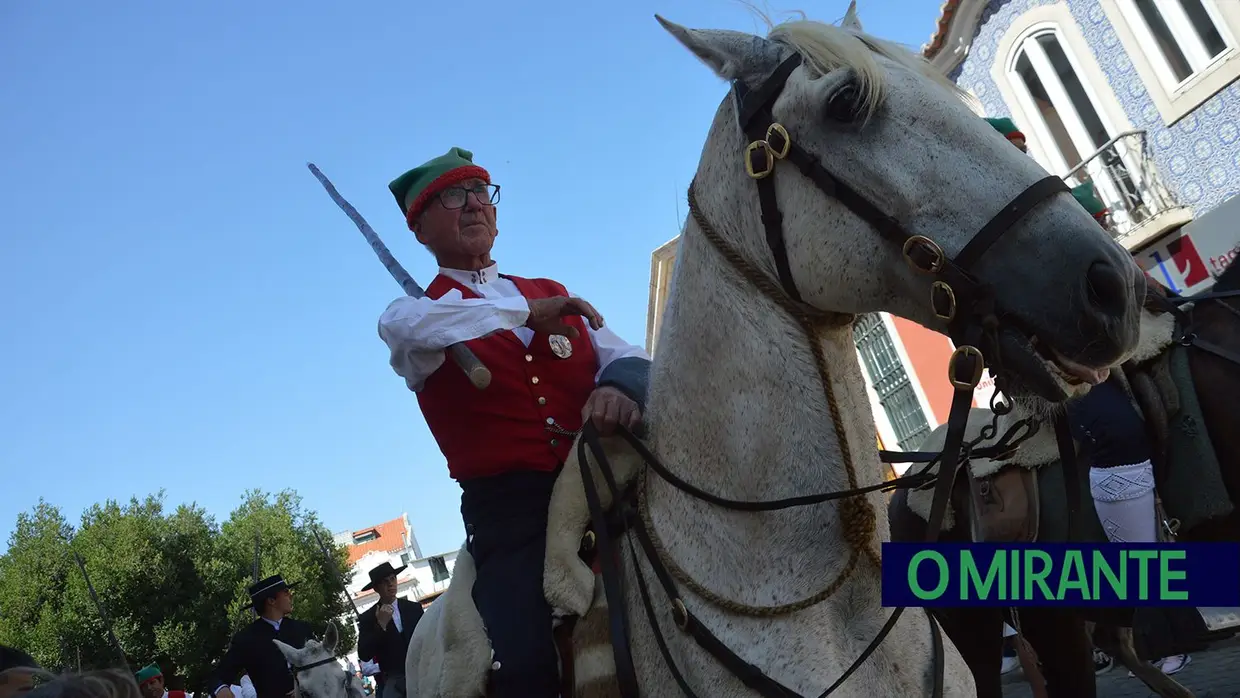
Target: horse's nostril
1107,290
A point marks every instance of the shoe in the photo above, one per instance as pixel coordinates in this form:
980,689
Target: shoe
1175,663
1009,664
1102,662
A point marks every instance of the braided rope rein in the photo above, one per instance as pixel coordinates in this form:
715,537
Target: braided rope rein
856,513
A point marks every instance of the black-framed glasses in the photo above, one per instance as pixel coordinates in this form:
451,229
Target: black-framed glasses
455,197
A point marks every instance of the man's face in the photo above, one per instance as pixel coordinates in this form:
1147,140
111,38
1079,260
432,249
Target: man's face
16,682
153,688
387,589
284,601
468,231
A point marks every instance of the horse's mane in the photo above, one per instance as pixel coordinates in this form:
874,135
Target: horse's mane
826,47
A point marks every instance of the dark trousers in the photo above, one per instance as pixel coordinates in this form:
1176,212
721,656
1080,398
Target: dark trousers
506,521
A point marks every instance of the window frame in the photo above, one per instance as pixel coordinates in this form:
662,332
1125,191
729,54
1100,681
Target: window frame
1176,99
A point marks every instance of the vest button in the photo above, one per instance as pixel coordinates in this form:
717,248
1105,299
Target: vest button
555,442
529,357
550,420
534,380
542,400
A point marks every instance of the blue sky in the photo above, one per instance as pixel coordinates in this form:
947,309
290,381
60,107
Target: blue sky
185,308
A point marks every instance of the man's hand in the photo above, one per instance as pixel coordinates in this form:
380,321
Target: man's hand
545,314
384,616
608,407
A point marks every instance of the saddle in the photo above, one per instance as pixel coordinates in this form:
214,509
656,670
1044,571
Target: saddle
997,492
1003,507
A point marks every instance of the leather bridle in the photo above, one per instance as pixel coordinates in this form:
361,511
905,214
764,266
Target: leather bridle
958,298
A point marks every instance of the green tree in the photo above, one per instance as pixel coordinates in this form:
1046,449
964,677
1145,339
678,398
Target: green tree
287,546
33,576
173,585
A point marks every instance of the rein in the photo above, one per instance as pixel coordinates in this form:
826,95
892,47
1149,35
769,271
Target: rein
1185,331
968,308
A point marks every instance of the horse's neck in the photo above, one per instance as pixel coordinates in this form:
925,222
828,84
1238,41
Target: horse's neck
737,408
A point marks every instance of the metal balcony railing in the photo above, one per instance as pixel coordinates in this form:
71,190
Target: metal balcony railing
1127,181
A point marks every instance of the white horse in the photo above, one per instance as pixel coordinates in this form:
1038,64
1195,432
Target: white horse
316,670
736,404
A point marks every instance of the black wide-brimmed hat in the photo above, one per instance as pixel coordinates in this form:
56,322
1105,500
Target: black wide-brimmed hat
265,589
381,572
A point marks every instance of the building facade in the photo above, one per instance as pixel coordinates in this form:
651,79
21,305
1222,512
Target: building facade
1137,97
423,579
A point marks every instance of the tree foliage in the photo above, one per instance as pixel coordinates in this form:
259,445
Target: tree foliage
173,585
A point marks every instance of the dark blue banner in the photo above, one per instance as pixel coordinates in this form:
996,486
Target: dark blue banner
1061,574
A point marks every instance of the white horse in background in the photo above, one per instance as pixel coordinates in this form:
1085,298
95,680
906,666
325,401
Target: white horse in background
736,406
317,672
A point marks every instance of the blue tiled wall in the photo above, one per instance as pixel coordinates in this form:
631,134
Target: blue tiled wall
1199,155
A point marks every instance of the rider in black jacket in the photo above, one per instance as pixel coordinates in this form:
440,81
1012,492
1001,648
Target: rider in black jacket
252,650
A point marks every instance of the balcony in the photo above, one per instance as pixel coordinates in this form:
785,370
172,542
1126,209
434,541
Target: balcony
1140,207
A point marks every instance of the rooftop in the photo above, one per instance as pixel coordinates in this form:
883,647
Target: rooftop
387,537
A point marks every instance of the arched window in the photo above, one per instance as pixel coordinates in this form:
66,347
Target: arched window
1072,134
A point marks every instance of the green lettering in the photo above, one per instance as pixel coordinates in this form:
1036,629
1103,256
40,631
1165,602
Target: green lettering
1073,565
1039,577
970,574
1014,584
1102,568
916,588
1166,575
1143,576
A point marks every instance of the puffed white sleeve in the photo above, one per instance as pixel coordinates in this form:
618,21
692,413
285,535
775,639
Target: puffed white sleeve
418,330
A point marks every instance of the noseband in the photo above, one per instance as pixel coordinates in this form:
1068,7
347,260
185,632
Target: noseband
306,667
957,297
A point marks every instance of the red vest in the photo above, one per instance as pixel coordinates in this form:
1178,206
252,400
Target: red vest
503,428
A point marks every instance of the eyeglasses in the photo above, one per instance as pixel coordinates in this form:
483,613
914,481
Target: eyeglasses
455,197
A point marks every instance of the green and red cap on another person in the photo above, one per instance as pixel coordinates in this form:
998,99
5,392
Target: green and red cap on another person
415,189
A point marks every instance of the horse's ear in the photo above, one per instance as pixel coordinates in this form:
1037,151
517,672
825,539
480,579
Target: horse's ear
331,637
290,653
730,54
851,20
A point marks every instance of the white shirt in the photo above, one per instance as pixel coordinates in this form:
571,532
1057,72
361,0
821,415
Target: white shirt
396,615
417,330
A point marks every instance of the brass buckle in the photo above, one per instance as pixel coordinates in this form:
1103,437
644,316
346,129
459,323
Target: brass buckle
942,287
769,165
776,133
587,542
680,614
980,364
921,240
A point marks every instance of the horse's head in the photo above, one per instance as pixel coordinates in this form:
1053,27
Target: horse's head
316,672
874,122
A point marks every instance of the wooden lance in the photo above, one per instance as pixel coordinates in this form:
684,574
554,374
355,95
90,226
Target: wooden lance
255,571
331,565
478,373
102,614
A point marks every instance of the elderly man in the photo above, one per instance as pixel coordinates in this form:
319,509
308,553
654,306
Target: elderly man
252,650
553,365
384,629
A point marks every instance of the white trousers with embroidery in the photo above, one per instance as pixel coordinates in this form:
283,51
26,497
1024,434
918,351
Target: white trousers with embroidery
1124,500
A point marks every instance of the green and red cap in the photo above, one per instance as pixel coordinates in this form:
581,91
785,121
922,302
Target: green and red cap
1007,127
148,672
414,189
1088,198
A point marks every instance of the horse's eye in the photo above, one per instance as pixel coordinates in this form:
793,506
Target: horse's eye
844,103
